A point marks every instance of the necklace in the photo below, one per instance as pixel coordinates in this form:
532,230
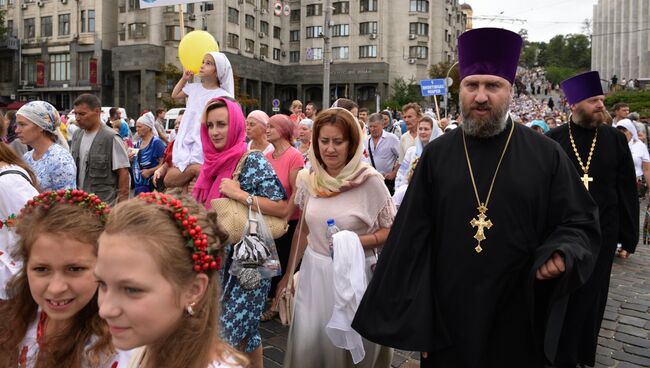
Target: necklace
481,222
585,168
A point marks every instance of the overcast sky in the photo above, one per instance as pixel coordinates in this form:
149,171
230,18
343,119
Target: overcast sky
542,19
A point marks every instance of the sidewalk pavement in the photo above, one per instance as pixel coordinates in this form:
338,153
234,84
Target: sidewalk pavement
624,340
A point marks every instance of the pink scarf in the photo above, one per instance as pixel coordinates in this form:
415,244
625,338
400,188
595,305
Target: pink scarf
219,165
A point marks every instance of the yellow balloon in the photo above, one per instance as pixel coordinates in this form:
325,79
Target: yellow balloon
193,47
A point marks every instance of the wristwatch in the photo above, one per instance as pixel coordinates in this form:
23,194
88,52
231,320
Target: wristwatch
249,200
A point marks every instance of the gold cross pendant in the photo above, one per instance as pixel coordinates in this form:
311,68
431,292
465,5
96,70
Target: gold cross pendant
481,223
586,179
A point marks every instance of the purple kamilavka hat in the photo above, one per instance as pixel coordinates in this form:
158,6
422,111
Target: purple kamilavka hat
492,51
581,87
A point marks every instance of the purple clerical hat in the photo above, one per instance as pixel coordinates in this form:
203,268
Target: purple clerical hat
581,87
492,51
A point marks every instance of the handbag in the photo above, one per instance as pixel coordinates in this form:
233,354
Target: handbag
233,215
285,300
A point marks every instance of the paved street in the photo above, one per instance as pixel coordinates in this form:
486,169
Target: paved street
624,337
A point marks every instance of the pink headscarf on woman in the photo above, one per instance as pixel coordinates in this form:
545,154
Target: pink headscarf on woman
283,125
219,165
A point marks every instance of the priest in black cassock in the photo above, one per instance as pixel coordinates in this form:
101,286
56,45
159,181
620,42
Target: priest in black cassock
602,158
495,232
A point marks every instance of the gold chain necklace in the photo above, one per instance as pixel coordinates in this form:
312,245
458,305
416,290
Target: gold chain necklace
585,168
482,222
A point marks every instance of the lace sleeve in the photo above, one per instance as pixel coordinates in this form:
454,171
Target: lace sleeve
301,196
386,216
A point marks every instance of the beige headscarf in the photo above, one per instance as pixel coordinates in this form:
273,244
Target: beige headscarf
321,184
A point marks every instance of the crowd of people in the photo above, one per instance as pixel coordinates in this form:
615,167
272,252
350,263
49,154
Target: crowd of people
112,253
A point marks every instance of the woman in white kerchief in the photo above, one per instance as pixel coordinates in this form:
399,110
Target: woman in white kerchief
147,155
37,125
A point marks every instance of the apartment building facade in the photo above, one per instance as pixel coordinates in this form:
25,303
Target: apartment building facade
274,56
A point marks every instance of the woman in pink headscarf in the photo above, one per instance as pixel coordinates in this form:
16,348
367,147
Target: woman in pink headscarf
286,161
223,134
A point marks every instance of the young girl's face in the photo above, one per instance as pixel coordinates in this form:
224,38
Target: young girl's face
139,304
60,275
208,67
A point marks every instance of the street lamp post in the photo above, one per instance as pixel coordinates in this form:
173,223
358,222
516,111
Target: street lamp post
327,53
447,89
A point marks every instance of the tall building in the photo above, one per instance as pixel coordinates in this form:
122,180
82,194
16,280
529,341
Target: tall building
57,49
620,43
274,56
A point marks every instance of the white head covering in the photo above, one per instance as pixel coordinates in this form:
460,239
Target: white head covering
45,116
149,121
224,72
629,126
307,122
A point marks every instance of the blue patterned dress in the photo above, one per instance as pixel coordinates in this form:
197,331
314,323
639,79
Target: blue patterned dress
242,308
55,170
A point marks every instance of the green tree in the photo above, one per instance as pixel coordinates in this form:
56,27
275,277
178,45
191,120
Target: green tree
403,92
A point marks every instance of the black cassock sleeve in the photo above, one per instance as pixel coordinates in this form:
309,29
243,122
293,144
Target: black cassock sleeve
628,197
398,308
574,230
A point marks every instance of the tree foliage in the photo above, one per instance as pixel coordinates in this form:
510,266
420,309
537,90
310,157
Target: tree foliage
639,101
564,52
403,92
169,75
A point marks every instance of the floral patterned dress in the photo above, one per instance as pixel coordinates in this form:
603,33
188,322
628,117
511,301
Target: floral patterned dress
55,170
242,308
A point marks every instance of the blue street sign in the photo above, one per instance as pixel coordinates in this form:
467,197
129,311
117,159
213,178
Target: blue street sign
276,102
431,87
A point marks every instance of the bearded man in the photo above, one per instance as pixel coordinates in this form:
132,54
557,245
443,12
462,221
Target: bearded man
494,233
602,158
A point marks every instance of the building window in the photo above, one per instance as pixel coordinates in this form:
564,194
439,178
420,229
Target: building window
421,6
368,6
314,31
249,22
6,70
264,4
83,66
250,45
64,24
341,30
418,52
46,26
233,15
29,68
91,21
367,28
59,67
317,53
340,53
276,54
264,50
294,36
30,28
369,51
294,56
137,30
341,7
10,28
276,32
83,21
134,4
421,29
314,9
252,2
173,33
264,27
208,7
233,41
295,15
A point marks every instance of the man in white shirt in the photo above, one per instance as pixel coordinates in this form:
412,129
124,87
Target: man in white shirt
383,150
412,114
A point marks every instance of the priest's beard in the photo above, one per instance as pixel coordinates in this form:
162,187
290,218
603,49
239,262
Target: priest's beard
486,126
588,120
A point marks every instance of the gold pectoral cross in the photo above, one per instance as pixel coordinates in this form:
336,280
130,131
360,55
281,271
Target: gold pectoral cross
586,179
481,223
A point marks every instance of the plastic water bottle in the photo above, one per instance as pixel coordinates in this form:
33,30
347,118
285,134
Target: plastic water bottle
331,230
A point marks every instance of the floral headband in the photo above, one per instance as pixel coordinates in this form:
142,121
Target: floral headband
48,199
196,240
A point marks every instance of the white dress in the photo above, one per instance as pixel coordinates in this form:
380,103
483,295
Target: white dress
15,191
402,178
29,351
187,149
362,210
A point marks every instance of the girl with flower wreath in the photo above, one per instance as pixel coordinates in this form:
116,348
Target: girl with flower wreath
159,290
50,317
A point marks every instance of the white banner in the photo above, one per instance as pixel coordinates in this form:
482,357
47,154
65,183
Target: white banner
153,3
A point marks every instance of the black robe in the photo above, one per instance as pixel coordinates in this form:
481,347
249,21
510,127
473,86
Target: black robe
614,190
432,292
